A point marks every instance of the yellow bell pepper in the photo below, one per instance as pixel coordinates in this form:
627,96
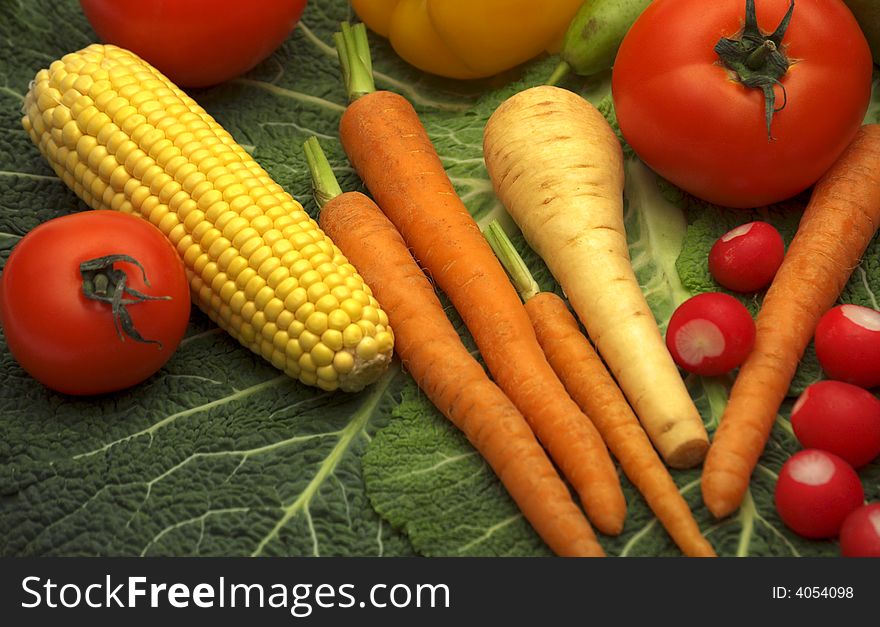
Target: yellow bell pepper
468,38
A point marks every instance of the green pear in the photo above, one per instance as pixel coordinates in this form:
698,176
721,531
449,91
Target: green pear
867,13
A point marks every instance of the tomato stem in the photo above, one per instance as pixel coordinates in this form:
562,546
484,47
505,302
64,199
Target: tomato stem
758,60
104,283
758,57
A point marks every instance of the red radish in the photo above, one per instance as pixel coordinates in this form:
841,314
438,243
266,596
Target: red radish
840,418
815,492
710,334
745,259
848,344
860,533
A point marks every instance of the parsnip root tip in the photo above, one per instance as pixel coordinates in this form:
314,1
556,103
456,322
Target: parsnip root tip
688,454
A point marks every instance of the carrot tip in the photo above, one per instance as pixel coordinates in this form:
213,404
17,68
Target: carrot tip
606,511
608,525
716,496
721,508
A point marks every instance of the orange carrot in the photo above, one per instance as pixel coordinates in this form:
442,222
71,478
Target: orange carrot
590,384
840,220
391,151
453,380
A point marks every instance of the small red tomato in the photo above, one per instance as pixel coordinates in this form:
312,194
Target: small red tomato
815,492
745,259
93,302
840,418
848,344
860,533
710,334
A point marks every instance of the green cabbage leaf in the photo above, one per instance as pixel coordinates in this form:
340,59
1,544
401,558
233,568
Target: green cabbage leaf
220,454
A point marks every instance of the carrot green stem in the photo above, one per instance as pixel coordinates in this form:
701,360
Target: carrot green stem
325,187
516,268
354,57
559,73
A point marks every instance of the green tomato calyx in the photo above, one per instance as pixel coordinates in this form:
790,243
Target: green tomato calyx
104,283
758,60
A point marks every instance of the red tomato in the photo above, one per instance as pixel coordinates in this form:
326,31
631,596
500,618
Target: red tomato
687,117
196,42
815,492
745,259
70,342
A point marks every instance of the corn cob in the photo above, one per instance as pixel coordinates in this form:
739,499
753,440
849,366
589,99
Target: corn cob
123,137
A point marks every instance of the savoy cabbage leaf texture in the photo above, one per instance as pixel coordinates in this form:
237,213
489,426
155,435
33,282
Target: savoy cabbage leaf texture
220,454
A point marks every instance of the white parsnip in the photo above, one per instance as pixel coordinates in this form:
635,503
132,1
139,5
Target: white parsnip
557,166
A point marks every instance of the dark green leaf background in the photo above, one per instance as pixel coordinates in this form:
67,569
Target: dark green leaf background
219,454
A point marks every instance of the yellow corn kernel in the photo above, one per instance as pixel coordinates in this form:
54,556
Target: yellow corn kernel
299,268
367,349
362,297
370,313
280,340
338,320
317,322
322,355
285,288
123,137
316,291
278,275
333,339
308,340
324,265
269,330
293,351
368,328
352,308
263,296
308,377
327,374
352,336
343,361
327,304
385,341
278,359
304,311
285,319
306,364
295,328
309,278
237,301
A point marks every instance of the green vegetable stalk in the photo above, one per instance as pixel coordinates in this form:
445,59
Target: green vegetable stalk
594,35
